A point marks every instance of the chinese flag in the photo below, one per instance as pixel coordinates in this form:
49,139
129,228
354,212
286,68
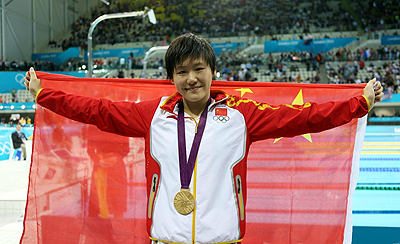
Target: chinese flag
221,111
299,189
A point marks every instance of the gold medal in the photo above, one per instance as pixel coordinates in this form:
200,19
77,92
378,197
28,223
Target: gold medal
184,202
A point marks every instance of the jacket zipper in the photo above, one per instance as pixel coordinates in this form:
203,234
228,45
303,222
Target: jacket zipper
152,193
240,196
194,189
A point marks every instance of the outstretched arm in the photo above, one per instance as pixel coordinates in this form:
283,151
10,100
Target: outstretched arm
265,121
123,118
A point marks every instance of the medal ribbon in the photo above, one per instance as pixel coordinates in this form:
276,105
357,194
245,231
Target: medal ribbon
187,166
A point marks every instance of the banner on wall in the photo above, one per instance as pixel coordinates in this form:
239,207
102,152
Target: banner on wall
5,147
223,47
390,40
10,80
57,58
124,52
140,52
316,45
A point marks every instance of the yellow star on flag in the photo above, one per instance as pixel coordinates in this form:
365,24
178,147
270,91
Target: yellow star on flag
298,101
243,91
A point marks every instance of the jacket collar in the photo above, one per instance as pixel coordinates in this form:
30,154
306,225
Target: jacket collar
171,102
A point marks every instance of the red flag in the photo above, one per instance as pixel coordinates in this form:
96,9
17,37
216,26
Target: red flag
221,111
299,189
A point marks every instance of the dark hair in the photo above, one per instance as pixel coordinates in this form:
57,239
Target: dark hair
188,46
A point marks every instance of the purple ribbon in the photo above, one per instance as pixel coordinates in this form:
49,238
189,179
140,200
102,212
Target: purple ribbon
187,166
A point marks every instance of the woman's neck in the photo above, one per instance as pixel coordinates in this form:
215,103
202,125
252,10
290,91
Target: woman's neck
194,109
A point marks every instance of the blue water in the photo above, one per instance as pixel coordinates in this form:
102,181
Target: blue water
380,170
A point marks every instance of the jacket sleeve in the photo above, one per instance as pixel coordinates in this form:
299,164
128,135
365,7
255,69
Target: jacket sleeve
265,121
16,140
123,118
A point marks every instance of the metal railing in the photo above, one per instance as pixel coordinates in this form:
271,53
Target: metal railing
146,12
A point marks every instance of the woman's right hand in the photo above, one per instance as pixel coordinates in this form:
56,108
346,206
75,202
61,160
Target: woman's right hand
32,83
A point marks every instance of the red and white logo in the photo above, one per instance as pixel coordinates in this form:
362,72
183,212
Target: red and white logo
221,115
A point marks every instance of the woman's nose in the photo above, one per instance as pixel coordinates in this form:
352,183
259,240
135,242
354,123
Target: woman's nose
191,77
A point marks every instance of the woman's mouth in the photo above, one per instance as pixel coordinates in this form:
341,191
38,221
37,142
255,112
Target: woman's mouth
195,88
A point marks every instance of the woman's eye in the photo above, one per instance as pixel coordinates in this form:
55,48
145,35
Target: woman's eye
181,72
198,69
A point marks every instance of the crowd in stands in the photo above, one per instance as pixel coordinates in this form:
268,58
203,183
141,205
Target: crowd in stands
210,19
388,73
241,67
13,121
16,96
222,17
377,15
309,58
24,65
23,121
350,67
230,65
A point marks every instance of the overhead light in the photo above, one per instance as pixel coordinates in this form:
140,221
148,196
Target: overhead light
34,106
23,106
150,13
1,107
12,107
105,2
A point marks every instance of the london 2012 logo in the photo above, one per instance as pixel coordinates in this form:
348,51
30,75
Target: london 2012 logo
19,78
5,148
221,115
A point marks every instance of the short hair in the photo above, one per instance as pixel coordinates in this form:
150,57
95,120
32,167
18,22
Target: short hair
188,46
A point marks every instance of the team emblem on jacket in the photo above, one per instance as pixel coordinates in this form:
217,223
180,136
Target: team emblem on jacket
221,115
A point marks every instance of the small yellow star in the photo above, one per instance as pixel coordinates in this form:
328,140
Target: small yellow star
298,101
243,91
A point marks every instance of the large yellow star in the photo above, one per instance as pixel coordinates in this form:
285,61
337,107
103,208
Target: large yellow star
243,91
299,101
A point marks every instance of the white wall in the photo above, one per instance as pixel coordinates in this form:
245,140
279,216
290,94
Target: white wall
27,26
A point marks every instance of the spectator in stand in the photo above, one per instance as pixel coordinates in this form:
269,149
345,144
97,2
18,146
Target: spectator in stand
336,80
122,62
317,79
13,95
22,121
298,79
18,139
362,64
370,68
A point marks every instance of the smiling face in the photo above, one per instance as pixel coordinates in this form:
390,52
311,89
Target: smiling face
190,62
192,79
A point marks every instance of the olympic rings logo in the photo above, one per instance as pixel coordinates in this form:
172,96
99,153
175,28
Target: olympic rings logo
221,119
19,78
5,148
